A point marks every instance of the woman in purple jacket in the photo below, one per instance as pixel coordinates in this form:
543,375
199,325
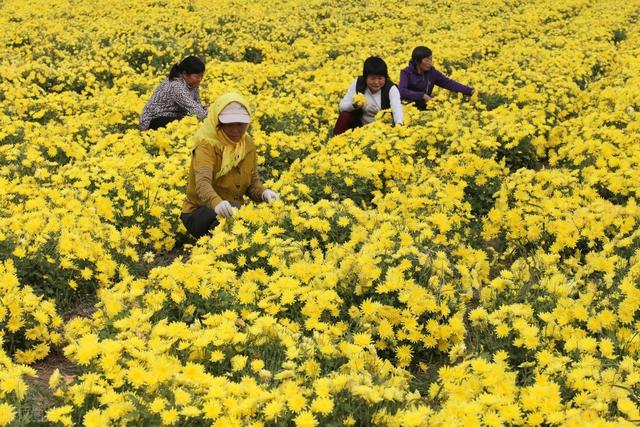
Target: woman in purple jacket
417,80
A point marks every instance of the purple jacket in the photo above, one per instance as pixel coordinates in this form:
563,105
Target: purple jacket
413,86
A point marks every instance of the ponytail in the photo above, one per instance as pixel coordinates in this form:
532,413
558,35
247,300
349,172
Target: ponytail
175,71
189,65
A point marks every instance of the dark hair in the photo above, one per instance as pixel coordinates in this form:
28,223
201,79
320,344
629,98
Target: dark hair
189,65
419,54
376,66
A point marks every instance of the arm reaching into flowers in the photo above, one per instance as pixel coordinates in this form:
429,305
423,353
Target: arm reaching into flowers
189,102
270,196
450,84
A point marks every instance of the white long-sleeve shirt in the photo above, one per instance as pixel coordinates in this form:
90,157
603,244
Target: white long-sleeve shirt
374,101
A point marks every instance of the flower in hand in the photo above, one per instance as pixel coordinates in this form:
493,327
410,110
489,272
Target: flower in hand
359,100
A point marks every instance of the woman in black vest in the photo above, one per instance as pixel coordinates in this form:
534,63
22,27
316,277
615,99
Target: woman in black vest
378,92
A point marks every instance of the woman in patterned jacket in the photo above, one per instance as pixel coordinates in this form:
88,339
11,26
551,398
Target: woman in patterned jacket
176,96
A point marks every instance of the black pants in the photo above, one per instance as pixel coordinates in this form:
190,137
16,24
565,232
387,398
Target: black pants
199,222
160,122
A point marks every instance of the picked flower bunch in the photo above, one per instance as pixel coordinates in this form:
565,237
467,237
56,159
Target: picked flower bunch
359,100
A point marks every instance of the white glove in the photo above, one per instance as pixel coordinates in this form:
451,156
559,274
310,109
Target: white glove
224,209
270,196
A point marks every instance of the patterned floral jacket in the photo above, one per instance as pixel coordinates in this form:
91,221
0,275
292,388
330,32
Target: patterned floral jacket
175,99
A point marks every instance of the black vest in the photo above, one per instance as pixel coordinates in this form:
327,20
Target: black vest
361,86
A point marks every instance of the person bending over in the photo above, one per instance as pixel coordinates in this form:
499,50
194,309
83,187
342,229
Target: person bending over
368,94
176,97
223,167
419,78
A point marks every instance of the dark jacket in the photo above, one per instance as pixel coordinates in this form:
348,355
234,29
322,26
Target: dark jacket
413,86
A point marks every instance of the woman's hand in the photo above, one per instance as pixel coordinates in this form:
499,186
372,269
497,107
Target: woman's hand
426,98
359,101
270,196
224,209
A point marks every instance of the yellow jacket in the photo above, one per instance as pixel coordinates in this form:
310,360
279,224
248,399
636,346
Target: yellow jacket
203,189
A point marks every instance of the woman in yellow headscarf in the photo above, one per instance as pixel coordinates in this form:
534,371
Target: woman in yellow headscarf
223,167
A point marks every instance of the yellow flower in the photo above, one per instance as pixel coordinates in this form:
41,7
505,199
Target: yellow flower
403,355
305,419
182,397
349,421
19,252
296,402
170,416
158,405
322,405
60,415
212,409
7,414
502,330
359,100
273,409
257,365
362,339
54,379
217,356
238,362
87,348
94,418
606,348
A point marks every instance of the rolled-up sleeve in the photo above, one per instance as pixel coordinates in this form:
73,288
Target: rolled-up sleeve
203,164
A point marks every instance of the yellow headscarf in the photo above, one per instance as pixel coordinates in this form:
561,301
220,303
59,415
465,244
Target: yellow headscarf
232,152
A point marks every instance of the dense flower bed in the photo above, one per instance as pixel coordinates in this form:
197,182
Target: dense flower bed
478,266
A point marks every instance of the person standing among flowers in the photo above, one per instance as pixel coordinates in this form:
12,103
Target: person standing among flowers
419,78
176,97
223,167
370,93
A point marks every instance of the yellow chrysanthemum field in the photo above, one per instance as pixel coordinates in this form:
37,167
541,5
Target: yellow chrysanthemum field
479,266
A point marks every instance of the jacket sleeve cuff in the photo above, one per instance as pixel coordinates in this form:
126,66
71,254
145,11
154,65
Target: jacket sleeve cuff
214,202
255,192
